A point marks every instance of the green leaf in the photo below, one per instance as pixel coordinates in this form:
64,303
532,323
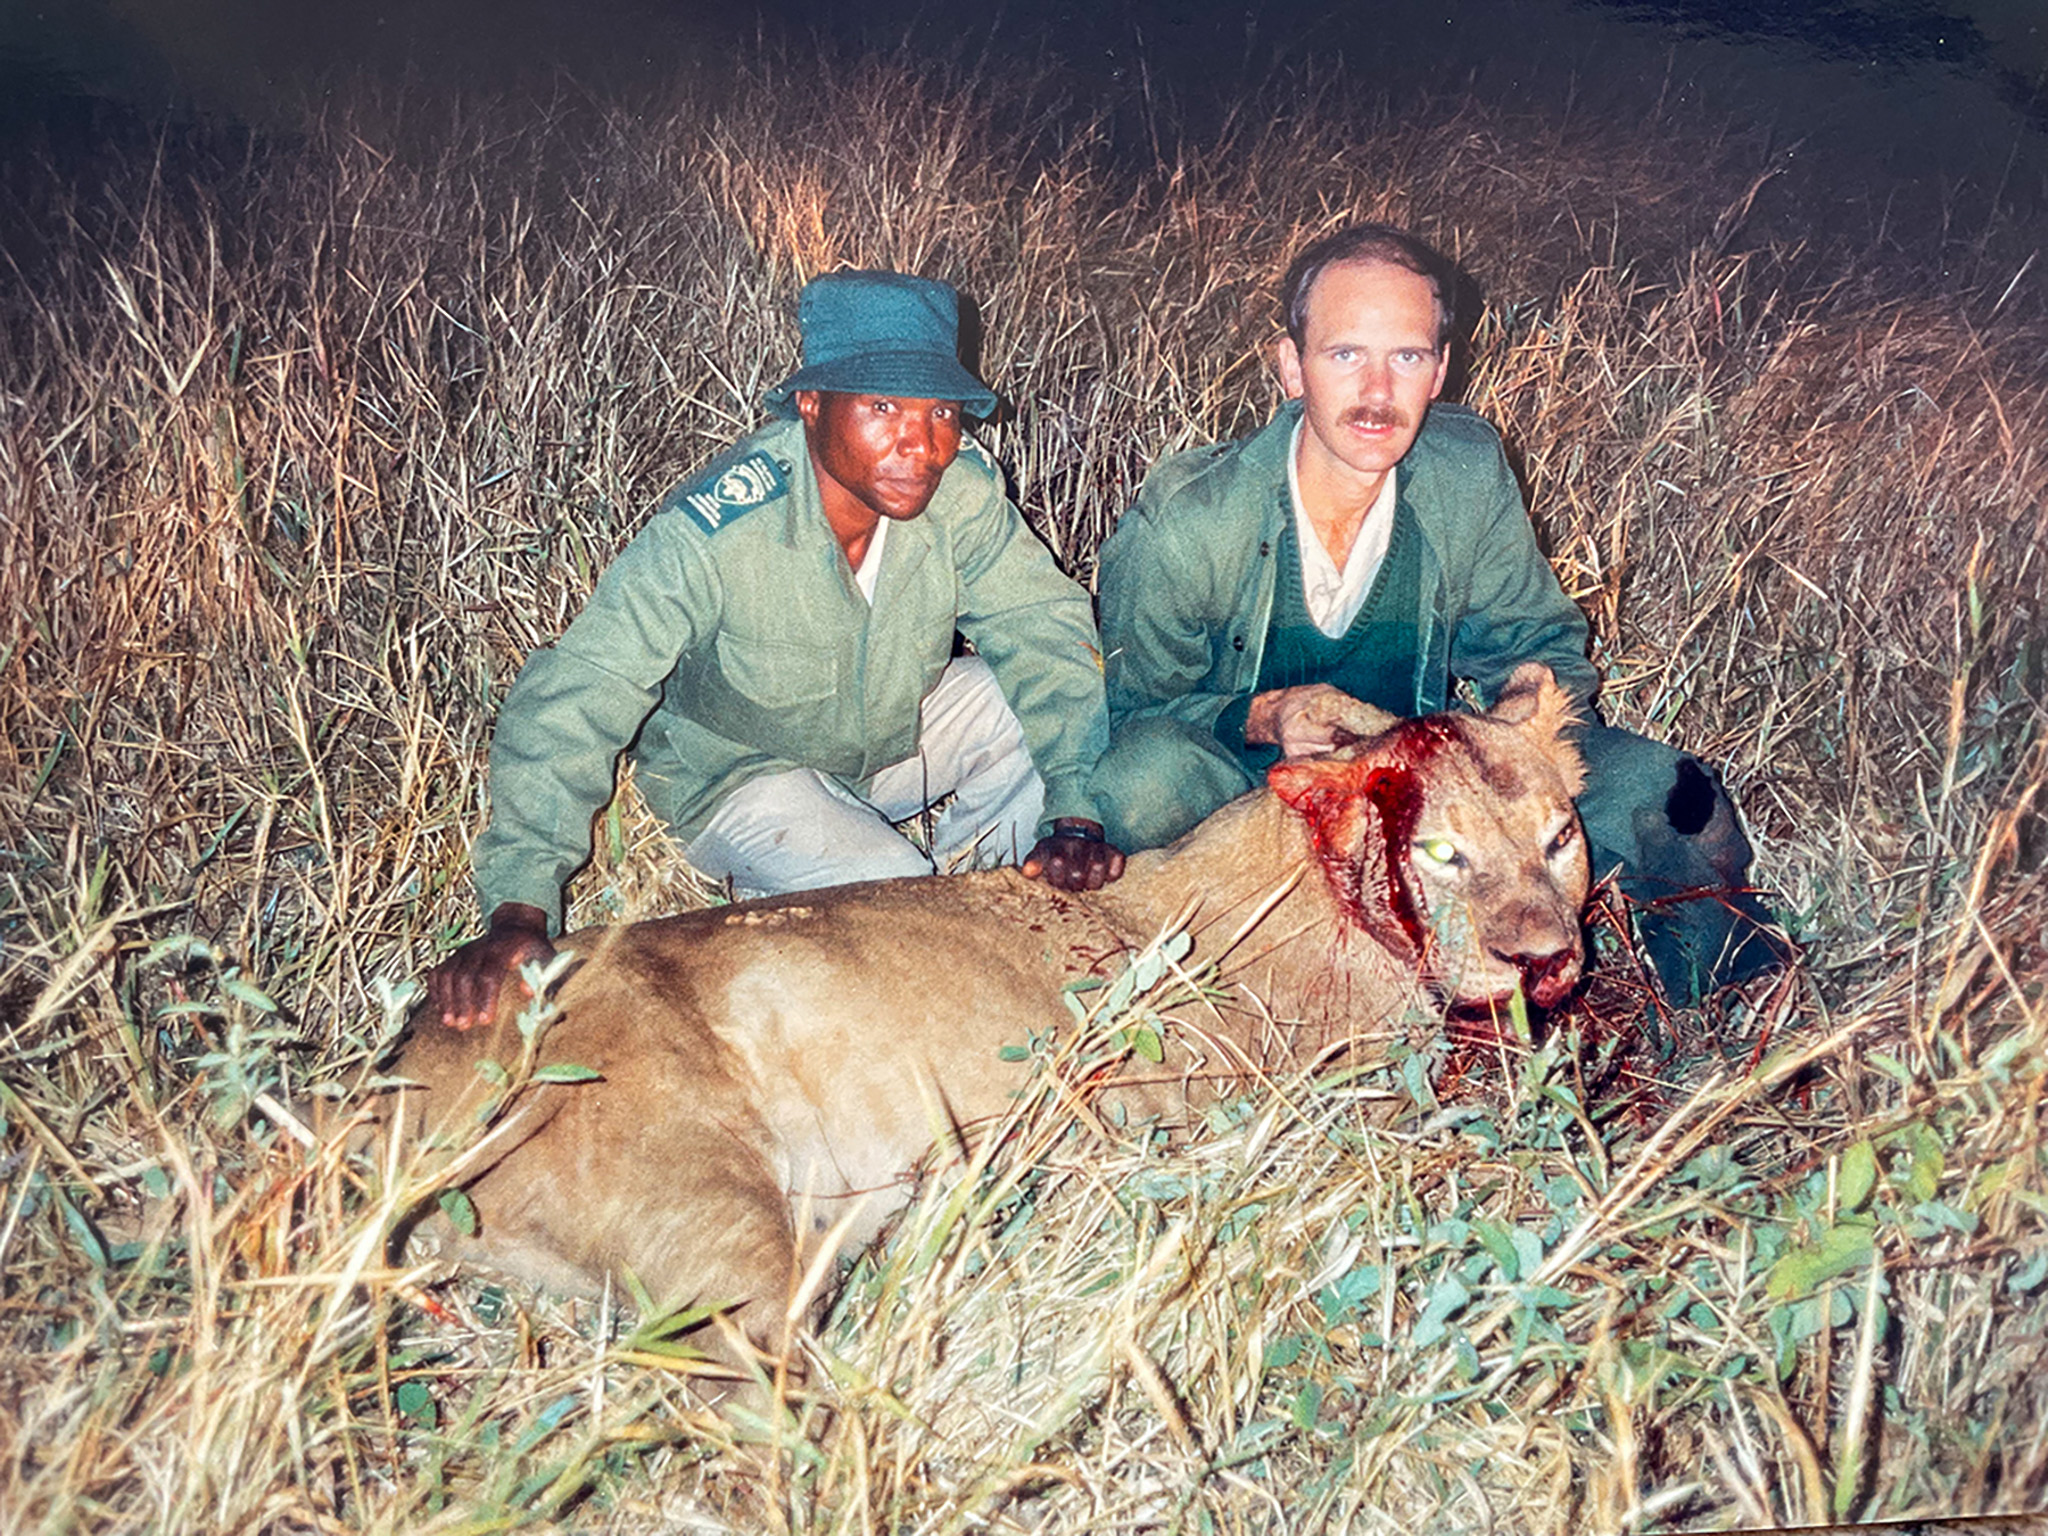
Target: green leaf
1146,1043
1842,1248
243,992
1019,1052
1445,1301
1463,1355
184,945
1146,970
82,1230
1305,1405
1713,1169
491,1305
1494,1235
1930,1158
540,978
1563,1093
458,1209
396,1000
1348,1295
566,1072
1118,997
1284,1351
194,1006
415,1401
1997,1062
1807,1318
2028,1277
643,1302
1858,1176
1162,1187
1930,1217
1415,1078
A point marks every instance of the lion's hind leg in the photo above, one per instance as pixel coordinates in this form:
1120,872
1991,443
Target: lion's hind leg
664,1173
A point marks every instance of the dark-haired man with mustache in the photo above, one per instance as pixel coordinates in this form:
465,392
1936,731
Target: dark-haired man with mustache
1373,542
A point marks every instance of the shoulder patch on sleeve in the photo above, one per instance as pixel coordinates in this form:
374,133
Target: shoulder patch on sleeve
976,458
730,488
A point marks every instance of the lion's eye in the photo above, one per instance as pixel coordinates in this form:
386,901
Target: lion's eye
1566,836
1442,852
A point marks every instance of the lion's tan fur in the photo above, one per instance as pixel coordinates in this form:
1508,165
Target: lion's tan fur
793,1058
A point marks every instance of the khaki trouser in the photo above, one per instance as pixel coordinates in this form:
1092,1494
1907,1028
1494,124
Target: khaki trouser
801,829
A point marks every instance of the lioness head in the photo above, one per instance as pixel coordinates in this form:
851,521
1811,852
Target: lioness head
1452,841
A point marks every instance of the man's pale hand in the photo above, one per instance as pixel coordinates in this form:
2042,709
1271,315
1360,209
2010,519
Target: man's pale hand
1306,721
463,989
1076,857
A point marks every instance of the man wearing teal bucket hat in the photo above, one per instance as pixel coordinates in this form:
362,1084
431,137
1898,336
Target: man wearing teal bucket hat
775,650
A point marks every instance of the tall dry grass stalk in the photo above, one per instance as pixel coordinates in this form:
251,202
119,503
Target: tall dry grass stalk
303,453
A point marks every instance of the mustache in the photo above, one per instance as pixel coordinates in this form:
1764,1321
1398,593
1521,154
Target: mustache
1373,416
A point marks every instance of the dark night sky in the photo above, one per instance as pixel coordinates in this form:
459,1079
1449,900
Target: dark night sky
1907,92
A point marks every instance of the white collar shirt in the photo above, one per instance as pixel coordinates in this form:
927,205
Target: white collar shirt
1333,597
871,562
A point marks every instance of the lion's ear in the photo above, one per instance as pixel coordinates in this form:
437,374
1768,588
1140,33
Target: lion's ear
1306,783
1346,803
1542,711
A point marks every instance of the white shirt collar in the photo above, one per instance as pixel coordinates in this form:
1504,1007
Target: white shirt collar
871,562
1334,597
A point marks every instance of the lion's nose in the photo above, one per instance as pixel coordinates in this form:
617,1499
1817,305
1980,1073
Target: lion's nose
1543,951
1547,979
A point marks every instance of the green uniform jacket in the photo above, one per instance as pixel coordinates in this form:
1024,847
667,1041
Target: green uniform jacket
728,640
1187,577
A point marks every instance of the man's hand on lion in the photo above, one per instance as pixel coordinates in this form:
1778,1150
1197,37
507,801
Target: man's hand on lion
463,989
1075,858
1310,720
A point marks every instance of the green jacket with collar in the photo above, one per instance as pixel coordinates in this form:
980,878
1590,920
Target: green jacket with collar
728,640
1187,577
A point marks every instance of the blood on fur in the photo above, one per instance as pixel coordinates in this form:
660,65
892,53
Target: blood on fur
1394,790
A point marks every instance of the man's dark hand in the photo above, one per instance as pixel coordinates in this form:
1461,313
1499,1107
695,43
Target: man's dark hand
463,989
1075,858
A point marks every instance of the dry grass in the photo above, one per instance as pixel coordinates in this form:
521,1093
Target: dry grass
301,456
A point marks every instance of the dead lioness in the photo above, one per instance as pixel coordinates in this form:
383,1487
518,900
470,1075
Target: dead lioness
795,1055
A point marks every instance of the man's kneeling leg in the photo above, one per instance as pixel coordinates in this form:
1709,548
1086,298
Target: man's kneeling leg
970,748
1159,778
797,831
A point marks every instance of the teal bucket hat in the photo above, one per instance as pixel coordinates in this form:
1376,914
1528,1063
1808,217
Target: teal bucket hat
881,333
